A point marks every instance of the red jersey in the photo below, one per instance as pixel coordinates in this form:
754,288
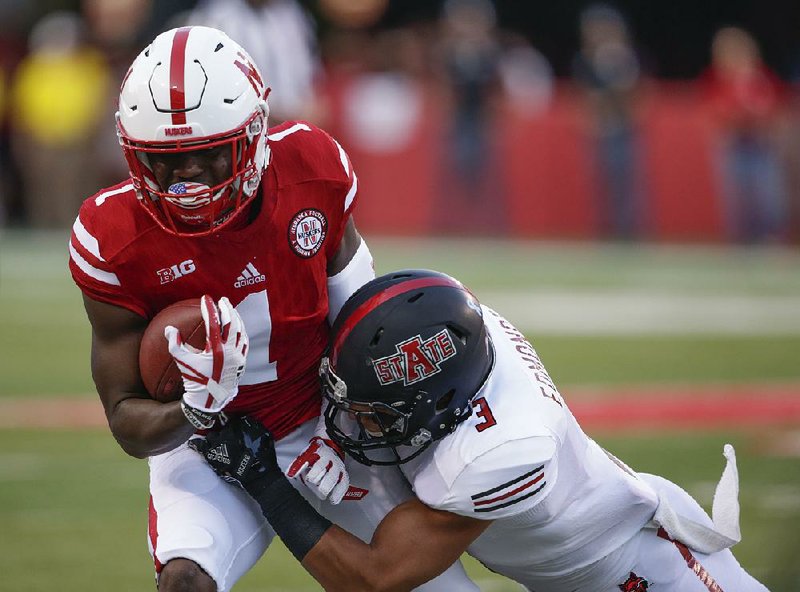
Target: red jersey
272,269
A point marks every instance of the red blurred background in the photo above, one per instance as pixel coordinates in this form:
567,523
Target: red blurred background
574,120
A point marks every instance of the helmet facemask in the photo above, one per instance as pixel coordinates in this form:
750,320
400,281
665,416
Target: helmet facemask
188,208
375,432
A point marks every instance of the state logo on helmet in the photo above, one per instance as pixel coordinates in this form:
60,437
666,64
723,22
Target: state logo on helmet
407,354
193,89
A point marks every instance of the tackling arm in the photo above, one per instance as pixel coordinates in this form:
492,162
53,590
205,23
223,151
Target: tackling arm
413,544
142,426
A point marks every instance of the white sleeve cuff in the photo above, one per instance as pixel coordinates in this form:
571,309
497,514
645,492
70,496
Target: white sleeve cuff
355,274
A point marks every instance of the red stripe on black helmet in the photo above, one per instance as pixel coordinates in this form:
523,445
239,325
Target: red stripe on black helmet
372,303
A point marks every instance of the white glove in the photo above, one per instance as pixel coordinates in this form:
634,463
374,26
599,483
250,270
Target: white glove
211,376
321,467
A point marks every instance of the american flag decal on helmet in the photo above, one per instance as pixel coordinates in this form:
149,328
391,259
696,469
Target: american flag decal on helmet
510,492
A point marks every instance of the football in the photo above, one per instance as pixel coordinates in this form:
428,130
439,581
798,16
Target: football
160,374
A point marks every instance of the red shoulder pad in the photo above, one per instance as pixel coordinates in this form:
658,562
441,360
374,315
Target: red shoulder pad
302,152
106,223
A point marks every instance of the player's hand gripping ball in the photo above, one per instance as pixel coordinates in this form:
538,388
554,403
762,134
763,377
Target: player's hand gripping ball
160,373
211,374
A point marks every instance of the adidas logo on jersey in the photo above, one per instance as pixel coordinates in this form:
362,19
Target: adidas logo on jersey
249,276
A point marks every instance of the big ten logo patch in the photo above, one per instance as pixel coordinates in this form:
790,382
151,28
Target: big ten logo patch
307,232
170,274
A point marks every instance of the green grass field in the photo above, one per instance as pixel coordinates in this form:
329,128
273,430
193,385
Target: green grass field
73,505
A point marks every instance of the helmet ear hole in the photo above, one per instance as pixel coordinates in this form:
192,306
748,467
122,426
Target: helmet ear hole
444,401
377,337
458,333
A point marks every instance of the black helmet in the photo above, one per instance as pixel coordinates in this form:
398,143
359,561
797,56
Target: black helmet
407,353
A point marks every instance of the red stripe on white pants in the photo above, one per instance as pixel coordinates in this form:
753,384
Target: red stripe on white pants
692,563
152,531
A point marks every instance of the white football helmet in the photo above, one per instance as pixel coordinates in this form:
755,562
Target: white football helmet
194,88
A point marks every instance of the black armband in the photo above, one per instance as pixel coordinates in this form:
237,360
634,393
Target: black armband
298,524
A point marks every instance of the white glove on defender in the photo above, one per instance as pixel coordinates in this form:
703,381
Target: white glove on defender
211,376
321,467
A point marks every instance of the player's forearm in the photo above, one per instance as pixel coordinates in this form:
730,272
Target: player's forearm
144,427
341,562
337,559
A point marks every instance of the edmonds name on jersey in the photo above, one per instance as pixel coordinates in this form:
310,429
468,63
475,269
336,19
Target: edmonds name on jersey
273,269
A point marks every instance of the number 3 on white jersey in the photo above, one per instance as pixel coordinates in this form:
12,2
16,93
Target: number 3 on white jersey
254,310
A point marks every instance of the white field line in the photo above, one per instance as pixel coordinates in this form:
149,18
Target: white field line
626,312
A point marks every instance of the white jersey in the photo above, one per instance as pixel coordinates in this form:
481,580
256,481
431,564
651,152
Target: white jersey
559,502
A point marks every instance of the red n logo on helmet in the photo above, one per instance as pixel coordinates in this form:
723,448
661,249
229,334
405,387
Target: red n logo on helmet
247,68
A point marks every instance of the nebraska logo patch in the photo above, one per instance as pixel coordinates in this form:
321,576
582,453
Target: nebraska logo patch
415,359
634,584
307,232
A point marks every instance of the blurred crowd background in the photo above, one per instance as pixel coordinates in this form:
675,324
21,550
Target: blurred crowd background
634,121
